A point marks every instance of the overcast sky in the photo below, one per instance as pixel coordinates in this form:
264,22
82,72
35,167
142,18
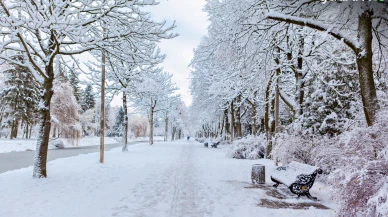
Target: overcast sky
191,24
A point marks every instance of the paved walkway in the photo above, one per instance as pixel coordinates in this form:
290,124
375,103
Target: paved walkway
17,160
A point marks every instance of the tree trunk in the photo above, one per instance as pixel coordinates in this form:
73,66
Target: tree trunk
12,130
254,113
29,135
222,127
227,124
125,147
40,161
26,129
277,98
268,110
232,123
102,113
238,117
166,127
299,78
364,63
173,133
151,140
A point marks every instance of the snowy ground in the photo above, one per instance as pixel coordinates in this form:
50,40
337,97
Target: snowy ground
168,179
16,145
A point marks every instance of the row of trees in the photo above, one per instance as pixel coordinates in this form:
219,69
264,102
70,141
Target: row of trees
41,36
281,62
307,76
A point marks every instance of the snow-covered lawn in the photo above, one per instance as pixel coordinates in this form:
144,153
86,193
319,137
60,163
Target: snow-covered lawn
15,145
167,179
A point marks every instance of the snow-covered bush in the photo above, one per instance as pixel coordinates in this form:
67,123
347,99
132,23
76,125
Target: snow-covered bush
294,146
249,148
358,168
58,143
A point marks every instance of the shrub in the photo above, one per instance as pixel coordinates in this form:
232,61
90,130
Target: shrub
358,168
248,148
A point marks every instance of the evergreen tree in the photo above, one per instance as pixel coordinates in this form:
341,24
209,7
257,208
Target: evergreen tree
74,81
88,101
20,98
331,101
118,126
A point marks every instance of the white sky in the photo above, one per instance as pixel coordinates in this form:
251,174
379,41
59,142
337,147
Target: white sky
191,24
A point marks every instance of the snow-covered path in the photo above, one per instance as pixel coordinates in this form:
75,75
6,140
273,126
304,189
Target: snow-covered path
168,179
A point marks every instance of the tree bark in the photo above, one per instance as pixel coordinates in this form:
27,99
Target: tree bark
173,133
254,113
227,124
166,127
299,78
238,117
102,114
232,123
268,109
40,161
151,140
364,63
12,130
125,147
26,129
277,90
29,135
222,126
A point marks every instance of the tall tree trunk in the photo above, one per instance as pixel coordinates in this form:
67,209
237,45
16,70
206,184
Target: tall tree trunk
40,161
218,129
268,110
102,113
222,126
238,117
227,124
12,130
364,63
173,133
29,135
299,78
151,140
232,123
254,113
166,127
125,107
277,97
27,125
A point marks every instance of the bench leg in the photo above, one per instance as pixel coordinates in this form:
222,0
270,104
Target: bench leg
276,183
310,197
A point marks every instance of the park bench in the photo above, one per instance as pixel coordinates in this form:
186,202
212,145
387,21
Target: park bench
215,144
298,177
212,144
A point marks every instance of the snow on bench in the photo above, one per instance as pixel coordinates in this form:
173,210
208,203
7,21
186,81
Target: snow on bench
298,177
213,144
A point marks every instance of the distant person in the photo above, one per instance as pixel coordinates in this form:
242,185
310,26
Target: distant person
188,138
